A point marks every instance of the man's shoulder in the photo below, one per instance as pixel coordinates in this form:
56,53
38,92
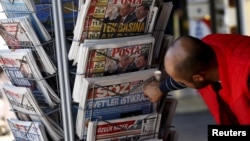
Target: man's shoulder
223,37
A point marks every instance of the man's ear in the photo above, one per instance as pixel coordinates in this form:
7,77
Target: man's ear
198,78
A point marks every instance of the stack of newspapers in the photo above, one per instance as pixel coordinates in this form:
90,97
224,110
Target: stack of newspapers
27,109
103,20
19,8
113,55
117,97
18,33
101,58
28,66
21,69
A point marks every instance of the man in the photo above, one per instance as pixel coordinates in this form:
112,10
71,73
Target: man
123,67
124,14
218,66
141,62
141,13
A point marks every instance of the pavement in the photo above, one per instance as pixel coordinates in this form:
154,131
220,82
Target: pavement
192,116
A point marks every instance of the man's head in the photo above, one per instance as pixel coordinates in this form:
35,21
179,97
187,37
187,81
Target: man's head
191,62
141,11
124,61
125,10
141,61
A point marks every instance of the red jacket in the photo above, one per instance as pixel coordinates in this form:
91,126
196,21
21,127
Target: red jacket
233,54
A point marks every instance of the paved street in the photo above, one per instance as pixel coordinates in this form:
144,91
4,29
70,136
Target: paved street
192,126
192,116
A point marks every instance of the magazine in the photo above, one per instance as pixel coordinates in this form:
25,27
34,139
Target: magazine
111,19
27,108
18,33
112,58
19,8
103,98
21,69
142,127
27,130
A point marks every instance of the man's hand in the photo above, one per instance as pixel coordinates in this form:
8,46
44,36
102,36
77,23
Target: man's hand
153,92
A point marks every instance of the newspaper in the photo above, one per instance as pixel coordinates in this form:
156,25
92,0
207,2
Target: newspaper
112,58
103,98
135,128
19,8
18,33
27,108
111,19
21,69
27,130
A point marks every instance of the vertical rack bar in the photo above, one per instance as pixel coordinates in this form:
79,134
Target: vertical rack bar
63,70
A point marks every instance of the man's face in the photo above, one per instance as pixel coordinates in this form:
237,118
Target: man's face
140,12
140,62
125,9
123,63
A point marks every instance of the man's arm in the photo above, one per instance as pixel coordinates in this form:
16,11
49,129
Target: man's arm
156,90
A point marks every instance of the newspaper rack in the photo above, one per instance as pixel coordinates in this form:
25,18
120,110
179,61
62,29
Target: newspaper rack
56,44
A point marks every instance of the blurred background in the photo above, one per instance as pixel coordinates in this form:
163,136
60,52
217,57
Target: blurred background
197,18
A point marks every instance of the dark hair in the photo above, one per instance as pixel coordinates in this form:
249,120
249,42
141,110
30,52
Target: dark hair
145,6
200,56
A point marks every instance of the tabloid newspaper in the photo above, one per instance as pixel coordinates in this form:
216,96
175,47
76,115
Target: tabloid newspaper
113,97
18,33
105,19
19,8
21,69
27,108
27,130
112,58
135,128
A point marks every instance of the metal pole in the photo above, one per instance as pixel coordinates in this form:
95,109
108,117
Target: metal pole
67,91
61,70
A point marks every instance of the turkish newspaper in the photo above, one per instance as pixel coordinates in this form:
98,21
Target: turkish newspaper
21,69
104,59
18,33
105,19
20,8
113,97
133,128
27,108
27,130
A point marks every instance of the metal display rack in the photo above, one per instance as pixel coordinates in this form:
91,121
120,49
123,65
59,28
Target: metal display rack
62,63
